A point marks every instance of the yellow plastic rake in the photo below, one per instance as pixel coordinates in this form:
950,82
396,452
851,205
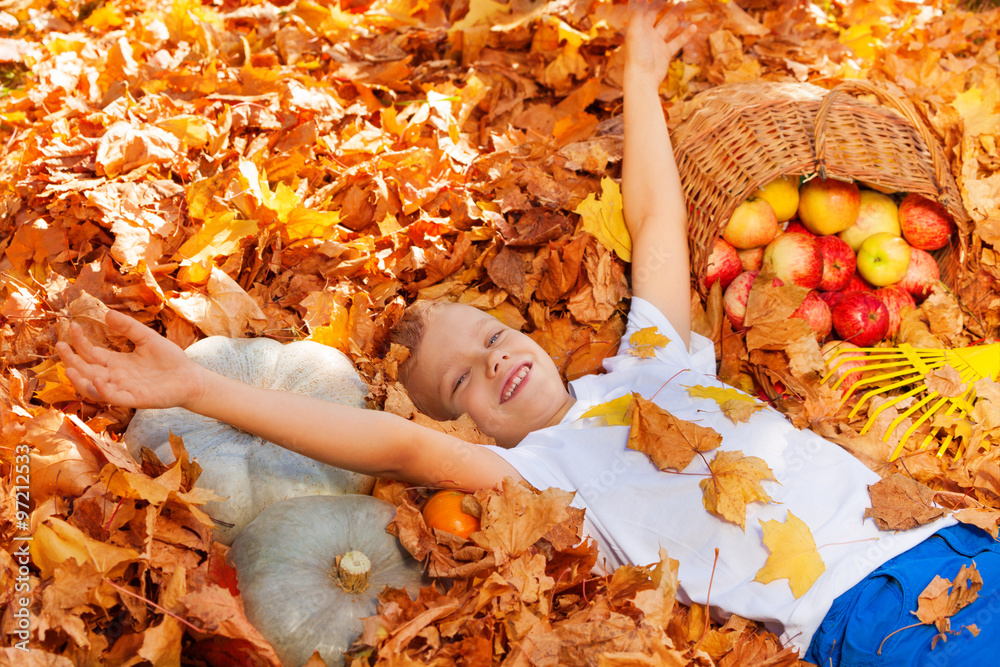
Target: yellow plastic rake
903,368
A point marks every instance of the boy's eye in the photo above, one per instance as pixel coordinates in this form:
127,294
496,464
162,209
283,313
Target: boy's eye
493,339
459,382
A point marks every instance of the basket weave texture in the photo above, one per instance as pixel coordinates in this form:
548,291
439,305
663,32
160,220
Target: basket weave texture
741,136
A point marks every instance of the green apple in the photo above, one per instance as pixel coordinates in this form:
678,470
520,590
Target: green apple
883,259
877,213
828,206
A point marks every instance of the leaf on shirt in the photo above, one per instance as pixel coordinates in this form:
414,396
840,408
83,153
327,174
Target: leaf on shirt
942,599
605,219
793,555
615,411
739,410
669,442
734,403
645,341
901,503
735,483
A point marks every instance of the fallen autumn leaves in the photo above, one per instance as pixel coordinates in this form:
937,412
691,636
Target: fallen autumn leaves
300,170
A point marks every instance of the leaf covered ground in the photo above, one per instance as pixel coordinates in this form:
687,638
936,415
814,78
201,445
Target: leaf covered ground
303,170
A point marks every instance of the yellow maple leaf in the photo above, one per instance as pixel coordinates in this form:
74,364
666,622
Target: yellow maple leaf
615,411
735,483
605,219
734,403
793,555
644,342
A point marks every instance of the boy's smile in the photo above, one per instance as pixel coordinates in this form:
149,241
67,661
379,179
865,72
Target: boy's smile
468,362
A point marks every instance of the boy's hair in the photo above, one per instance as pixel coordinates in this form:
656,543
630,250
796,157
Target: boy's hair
409,332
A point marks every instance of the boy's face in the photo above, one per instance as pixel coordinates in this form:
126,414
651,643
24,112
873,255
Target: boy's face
468,362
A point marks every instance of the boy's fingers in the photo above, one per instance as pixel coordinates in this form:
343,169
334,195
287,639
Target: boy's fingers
84,349
126,326
83,386
680,40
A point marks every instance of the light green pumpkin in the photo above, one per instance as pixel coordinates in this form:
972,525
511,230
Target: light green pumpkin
249,472
292,588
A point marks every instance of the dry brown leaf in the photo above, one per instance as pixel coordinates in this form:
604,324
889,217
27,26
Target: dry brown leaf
708,320
669,442
900,503
515,517
981,517
944,315
942,599
657,604
945,381
915,330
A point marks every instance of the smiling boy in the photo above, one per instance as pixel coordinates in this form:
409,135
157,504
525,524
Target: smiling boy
472,364
465,362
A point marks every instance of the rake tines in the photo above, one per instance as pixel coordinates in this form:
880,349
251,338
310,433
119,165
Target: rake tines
906,366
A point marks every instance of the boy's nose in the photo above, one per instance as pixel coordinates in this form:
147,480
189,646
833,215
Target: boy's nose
493,361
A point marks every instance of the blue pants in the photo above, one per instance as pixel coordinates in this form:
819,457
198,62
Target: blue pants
864,616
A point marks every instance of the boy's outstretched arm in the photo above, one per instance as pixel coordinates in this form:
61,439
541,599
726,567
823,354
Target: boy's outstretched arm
655,211
157,374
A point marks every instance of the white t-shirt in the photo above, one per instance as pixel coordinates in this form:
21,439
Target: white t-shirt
632,508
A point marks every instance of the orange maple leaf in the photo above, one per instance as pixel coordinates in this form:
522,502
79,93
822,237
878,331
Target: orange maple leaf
669,442
793,555
735,482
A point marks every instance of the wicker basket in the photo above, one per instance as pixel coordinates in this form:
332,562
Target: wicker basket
743,135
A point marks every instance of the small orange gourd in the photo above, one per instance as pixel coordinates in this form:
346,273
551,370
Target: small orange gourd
444,511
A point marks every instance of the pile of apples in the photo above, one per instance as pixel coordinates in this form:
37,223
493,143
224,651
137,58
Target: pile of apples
862,256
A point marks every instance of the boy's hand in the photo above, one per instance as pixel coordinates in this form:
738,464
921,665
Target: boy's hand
650,45
156,374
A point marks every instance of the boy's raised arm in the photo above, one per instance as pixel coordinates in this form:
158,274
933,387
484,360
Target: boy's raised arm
655,211
157,374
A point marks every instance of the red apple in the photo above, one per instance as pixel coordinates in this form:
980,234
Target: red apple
925,223
843,363
815,311
795,258
857,283
723,264
838,263
878,213
796,227
895,299
831,298
752,224
922,274
752,259
828,206
860,318
734,301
